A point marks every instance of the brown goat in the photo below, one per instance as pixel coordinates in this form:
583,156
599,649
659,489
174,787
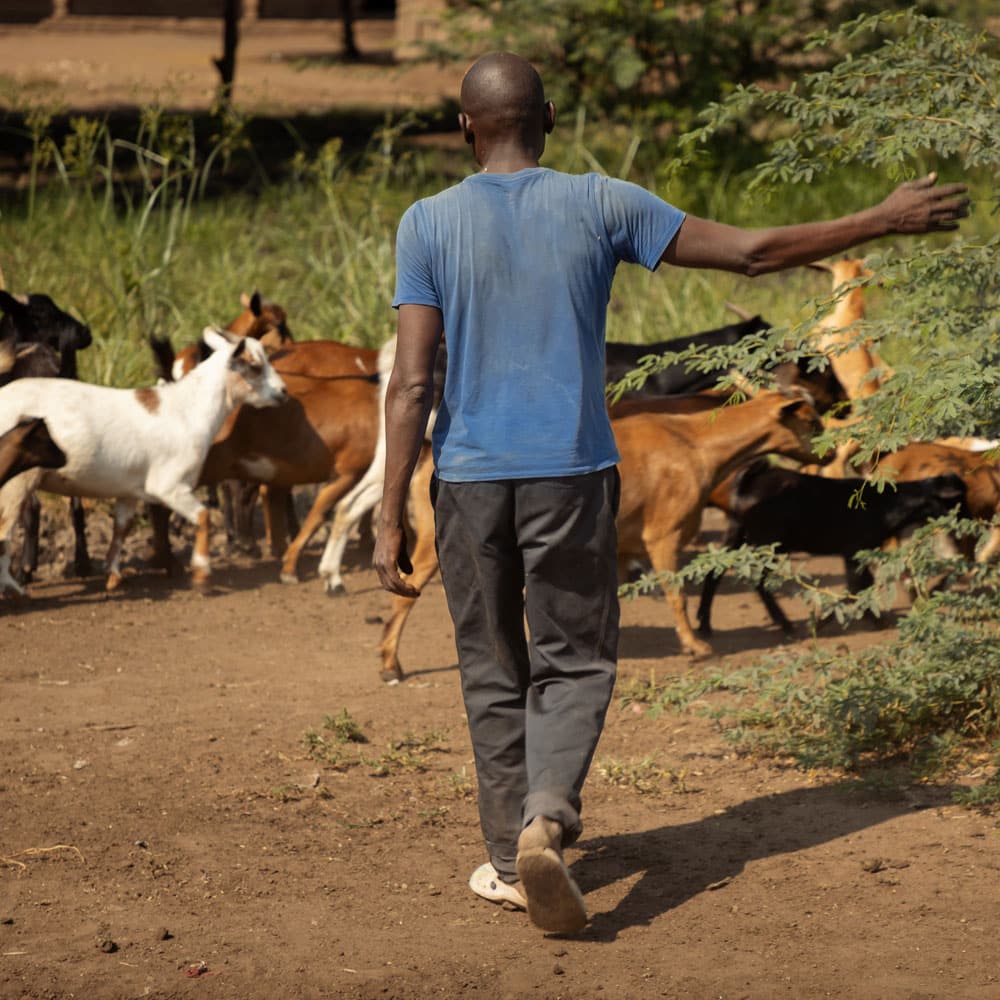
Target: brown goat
671,463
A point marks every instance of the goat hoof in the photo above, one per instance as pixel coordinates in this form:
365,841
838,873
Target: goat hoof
113,582
705,631
698,650
335,589
201,580
392,675
289,577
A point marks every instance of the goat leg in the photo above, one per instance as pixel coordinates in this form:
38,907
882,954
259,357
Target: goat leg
31,520
425,565
162,558
328,495
276,524
348,513
123,518
181,500
291,517
859,578
239,501
708,589
774,609
82,565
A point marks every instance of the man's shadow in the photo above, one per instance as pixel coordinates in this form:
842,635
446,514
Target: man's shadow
676,863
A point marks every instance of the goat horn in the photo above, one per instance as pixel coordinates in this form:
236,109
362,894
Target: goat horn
3,280
820,265
742,313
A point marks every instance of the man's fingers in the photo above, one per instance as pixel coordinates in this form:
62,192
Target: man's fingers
949,190
390,580
952,209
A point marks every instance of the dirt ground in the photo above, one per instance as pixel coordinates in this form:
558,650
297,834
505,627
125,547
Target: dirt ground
281,66
165,831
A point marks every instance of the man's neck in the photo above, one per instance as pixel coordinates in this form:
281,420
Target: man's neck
505,159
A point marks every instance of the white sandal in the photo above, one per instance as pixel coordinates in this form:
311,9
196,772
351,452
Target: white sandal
485,882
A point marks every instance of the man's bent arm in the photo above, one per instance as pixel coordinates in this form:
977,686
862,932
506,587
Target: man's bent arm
408,402
915,207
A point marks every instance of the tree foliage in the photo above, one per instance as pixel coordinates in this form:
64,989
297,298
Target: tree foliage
931,88
654,62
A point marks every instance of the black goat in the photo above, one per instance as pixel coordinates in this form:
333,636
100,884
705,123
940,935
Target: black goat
36,319
812,514
823,385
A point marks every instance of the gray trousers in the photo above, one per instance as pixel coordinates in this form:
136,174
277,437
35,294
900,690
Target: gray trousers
545,549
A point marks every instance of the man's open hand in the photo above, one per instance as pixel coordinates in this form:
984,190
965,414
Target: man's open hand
921,207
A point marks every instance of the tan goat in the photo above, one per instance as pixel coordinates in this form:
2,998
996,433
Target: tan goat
852,362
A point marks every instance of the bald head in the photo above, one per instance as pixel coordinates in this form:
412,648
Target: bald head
502,92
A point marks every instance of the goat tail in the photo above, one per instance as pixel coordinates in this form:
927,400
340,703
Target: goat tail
739,311
165,356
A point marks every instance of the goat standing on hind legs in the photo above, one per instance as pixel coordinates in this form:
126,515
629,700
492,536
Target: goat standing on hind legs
132,445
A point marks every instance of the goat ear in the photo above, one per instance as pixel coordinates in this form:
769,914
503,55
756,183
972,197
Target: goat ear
219,339
255,303
11,303
240,349
792,406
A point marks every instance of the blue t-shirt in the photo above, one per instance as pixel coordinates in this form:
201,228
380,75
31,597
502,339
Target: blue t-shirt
521,267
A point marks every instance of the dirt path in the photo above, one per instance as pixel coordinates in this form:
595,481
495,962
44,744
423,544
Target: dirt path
158,736
282,67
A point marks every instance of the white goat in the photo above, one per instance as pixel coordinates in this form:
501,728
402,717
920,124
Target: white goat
135,445
368,492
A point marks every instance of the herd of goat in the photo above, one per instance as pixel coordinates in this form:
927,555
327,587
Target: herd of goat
253,412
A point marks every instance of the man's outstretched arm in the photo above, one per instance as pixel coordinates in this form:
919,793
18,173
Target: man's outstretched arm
913,208
408,402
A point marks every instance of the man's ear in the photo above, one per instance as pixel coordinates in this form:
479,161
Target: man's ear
550,117
466,126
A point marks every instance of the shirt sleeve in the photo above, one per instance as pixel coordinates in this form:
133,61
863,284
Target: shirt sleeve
639,225
414,274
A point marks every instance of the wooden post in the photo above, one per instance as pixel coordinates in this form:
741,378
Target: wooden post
230,39
351,51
